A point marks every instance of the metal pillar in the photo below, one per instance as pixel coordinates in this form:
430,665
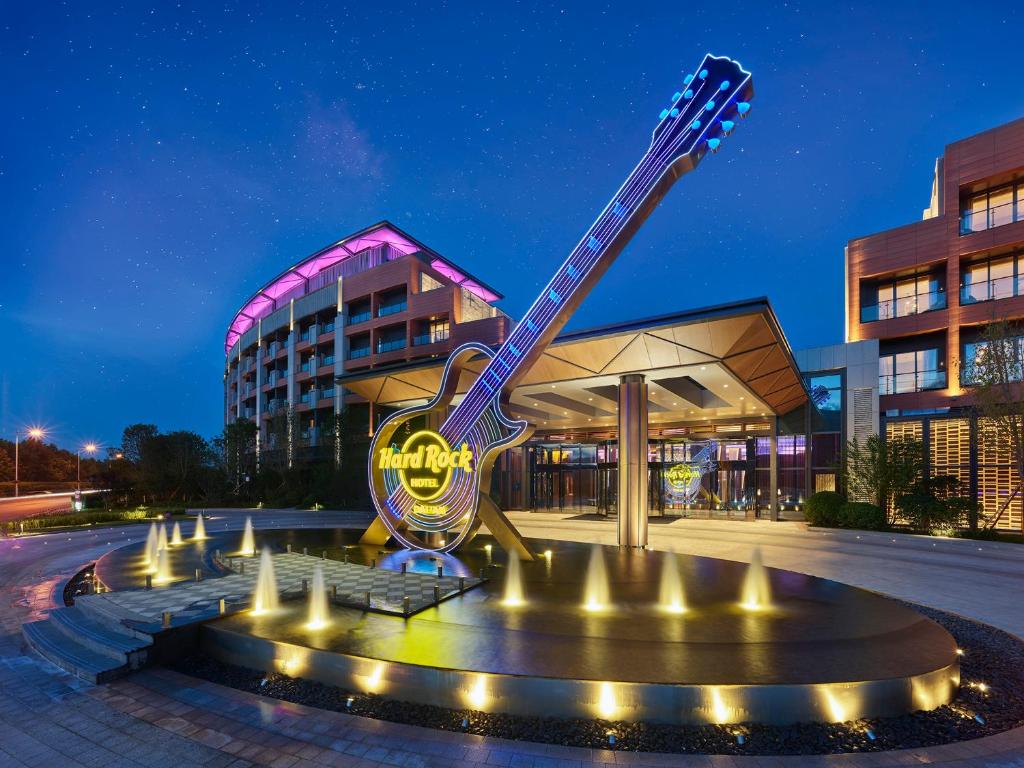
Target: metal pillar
773,474
632,461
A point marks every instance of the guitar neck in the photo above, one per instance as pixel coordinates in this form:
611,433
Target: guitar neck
588,261
675,150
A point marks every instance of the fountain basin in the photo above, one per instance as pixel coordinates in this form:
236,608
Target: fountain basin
823,651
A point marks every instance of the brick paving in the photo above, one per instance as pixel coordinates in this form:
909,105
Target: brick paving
161,718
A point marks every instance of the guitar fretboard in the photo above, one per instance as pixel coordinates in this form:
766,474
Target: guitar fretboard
594,252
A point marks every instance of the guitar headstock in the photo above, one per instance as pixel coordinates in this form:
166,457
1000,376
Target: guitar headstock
712,99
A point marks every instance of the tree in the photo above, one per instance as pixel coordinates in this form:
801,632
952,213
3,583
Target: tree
996,373
6,466
881,470
237,449
934,503
134,438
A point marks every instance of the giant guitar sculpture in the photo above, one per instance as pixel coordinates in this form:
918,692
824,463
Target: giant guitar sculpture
430,487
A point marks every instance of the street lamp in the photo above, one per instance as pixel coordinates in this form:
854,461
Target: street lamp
35,433
88,448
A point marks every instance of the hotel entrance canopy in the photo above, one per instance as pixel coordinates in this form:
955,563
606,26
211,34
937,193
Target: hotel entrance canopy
727,365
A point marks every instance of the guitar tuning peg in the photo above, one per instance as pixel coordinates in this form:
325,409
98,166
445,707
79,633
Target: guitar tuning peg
728,126
703,74
742,108
710,105
695,124
714,144
688,94
674,113
688,79
663,115
676,95
724,86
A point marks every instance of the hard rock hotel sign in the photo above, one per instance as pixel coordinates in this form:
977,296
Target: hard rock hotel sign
430,490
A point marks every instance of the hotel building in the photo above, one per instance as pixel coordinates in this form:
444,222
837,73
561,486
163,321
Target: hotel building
364,326
926,290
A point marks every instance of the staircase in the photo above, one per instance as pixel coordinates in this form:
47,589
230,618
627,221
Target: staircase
92,645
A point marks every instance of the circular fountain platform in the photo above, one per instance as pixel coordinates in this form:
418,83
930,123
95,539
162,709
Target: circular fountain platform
822,651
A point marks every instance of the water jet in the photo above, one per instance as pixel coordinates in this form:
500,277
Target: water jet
265,598
248,548
595,594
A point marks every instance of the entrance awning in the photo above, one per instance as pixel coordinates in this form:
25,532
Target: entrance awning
729,362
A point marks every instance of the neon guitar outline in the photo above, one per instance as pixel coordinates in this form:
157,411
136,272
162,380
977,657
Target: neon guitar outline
414,498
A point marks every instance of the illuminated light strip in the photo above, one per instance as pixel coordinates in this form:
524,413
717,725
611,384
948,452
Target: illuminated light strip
645,186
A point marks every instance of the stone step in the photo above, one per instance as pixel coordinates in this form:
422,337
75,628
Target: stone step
108,613
107,639
70,655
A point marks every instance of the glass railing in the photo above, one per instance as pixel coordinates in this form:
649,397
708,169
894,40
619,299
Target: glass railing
308,397
327,360
423,338
915,381
306,367
987,290
987,218
903,306
354,354
390,346
327,394
391,309
328,327
307,335
361,317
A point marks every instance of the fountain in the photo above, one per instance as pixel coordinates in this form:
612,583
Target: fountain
513,583
318,609
200,532
670,595
248,540
163,567
161,541
595,595
176,535
151,547
757,592
265,598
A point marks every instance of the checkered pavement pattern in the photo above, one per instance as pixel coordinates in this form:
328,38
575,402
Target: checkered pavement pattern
191,600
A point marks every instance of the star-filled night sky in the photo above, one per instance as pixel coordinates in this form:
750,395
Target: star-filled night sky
159,163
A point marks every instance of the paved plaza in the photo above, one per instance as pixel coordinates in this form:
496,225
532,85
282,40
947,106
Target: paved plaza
161,718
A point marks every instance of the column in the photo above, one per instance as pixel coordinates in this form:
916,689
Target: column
632,461
260,434
773,472
290,410
339,370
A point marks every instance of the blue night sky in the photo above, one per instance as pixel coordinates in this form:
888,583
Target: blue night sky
158,164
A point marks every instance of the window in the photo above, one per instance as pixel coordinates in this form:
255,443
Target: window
826,391
910,372
975,355
904,296
391,303
996,278
359,311
992,208
359,346
439,330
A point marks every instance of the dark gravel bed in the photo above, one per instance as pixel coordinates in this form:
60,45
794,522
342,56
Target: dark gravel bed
991,700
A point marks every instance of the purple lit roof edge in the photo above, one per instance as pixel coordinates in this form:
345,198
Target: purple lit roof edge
261,303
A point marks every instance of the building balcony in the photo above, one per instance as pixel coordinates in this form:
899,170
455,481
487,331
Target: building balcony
990,290
392,309
355,354
989,218
904,306
915,381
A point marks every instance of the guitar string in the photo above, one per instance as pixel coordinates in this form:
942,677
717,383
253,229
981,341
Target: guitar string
641,188
602,228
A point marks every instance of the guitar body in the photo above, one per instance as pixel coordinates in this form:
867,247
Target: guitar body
430,466
426,485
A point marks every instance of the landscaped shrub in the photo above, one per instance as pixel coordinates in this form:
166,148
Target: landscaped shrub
860,514
822,509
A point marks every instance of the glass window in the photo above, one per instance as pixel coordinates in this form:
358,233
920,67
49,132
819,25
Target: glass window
827,391
1000,278
1000,206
